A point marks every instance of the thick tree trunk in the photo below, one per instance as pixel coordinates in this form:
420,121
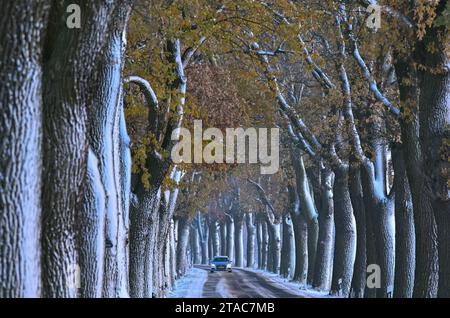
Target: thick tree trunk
360,268
91,232
215,238
300,228
275,246
104,119
239,238
259,241
223,239
141,221
23,24
265,245
195,246
405,239
313,237
434,119
380,216
324,257
230,238
125,191
308,211
426,273
184,224
69,75
251,232
203,234
152,246
286,247
172,254
345,235
301,249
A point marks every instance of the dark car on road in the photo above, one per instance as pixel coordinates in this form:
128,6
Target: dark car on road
220,263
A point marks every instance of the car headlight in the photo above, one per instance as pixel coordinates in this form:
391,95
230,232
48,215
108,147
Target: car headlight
213,265
228,265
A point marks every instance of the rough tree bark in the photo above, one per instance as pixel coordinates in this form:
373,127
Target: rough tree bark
405,239
251,232
23,24
426,272
324,257
301,238
184,224
91,232
104,119
223,238
203,234
259,242
69,75
215,237
195,246
140,238
265,245
308,211
434,119
356,195
238,217
230,237
286,247
345,235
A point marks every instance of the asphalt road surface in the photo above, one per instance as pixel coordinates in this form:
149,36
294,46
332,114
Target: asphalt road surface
245,284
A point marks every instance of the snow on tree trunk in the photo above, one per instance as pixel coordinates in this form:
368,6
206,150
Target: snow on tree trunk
250,239
405,239
91,238
239,238
203,235
23,23
380,217
223,238
230,237
104,140
152,247
140,209
265,245
195,246
184,224
286,247
360,268
68,79
275,246
324,257
313,236
301,237
171,255
345,235
259,241
214,236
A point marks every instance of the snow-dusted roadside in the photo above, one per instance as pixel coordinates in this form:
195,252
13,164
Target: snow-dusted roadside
290,285
190,285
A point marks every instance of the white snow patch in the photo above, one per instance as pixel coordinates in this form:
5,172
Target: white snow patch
190,285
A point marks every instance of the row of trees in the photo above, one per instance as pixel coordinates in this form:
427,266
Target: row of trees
92,206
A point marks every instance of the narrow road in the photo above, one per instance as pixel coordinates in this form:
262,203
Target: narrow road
242,283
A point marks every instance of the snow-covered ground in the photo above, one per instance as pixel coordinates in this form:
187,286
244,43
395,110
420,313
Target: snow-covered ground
190,285
290,285
240,283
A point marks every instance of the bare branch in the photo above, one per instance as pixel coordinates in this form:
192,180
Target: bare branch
150,98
